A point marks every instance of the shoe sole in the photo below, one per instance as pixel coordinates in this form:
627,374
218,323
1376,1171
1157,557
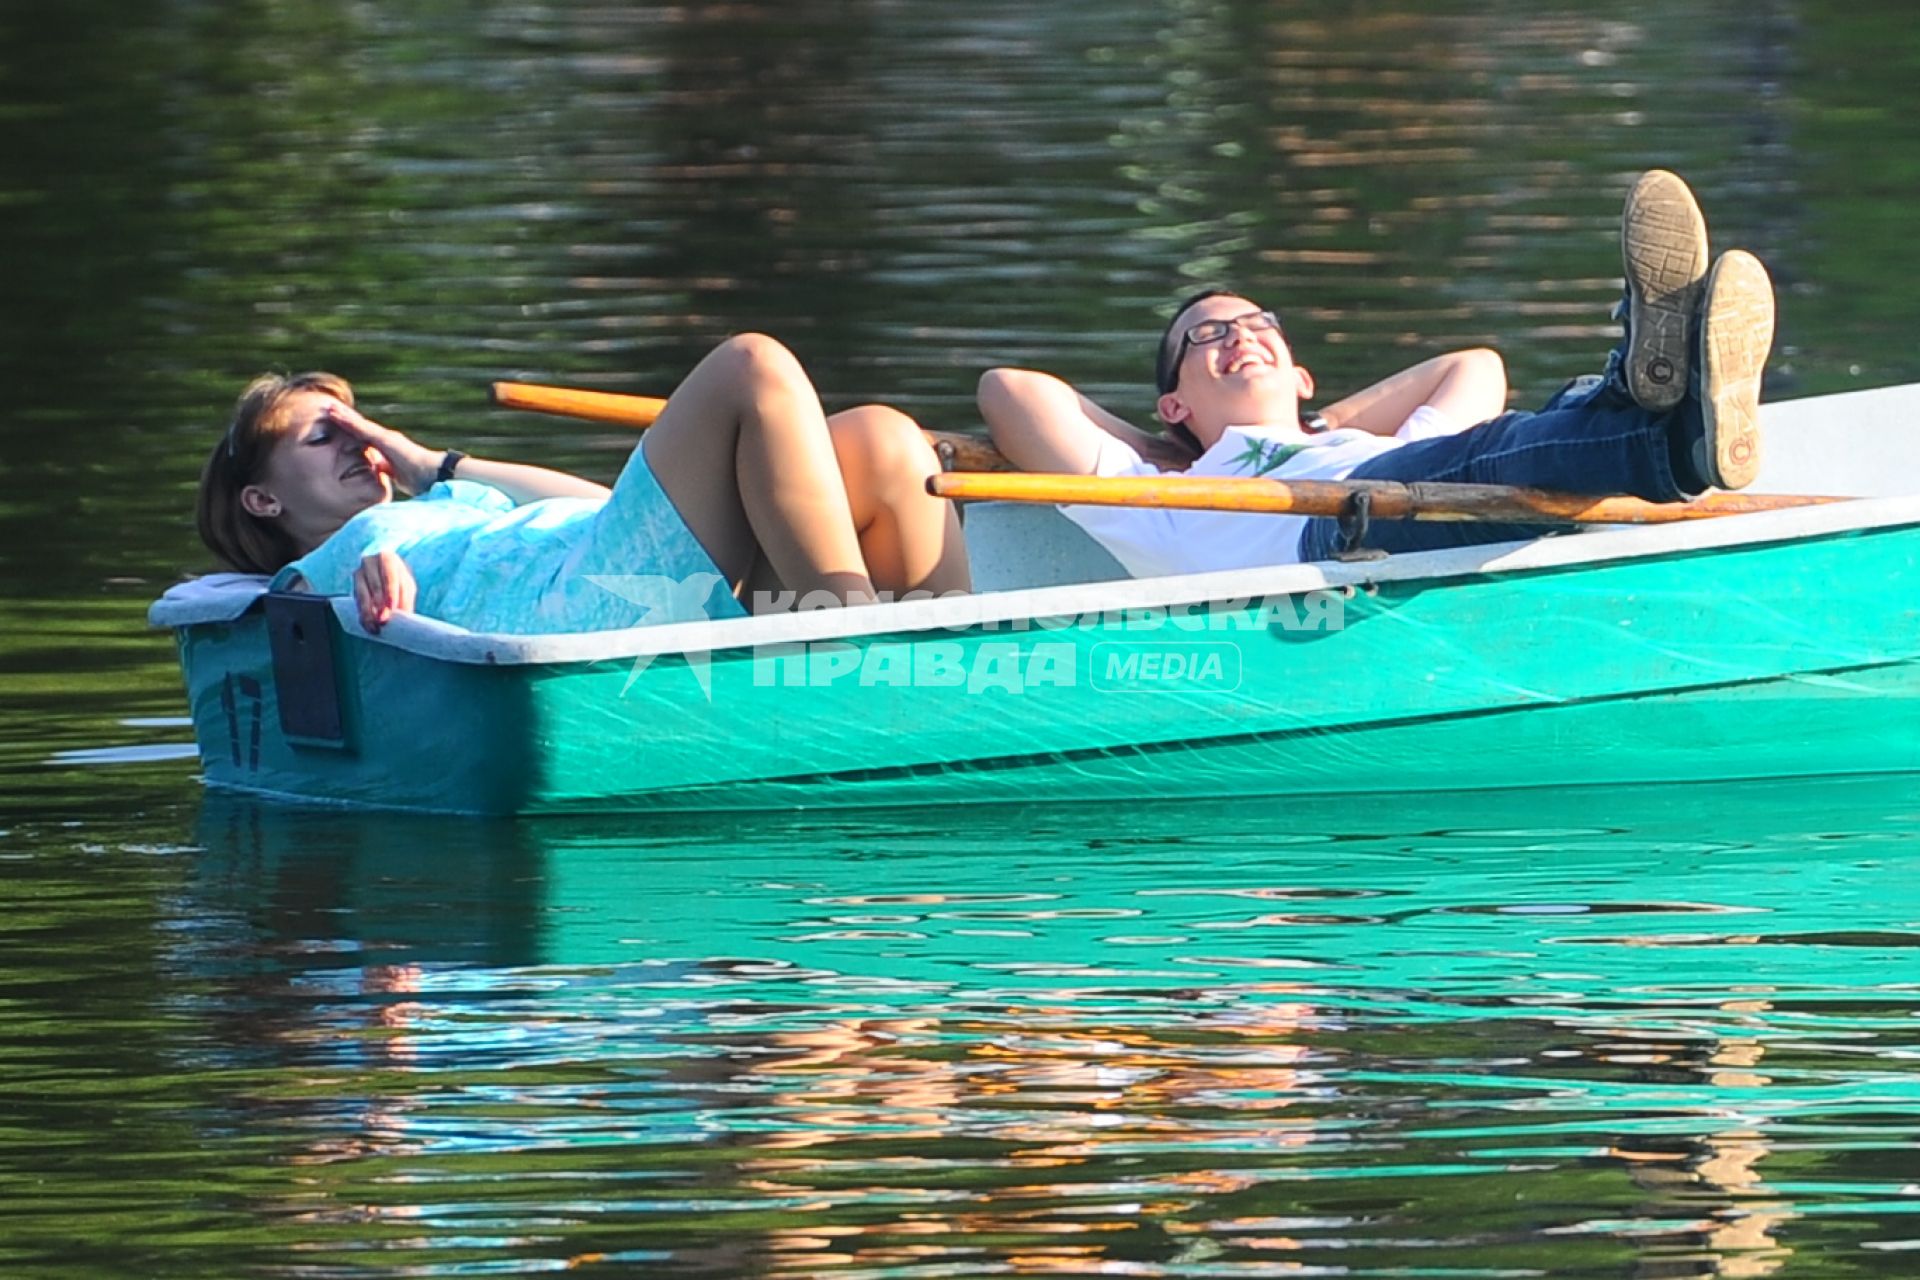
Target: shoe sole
1663,245
1736,335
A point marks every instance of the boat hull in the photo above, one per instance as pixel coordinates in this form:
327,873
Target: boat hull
1791,655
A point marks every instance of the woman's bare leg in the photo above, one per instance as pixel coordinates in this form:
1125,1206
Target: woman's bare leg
761,590
910,539
743,450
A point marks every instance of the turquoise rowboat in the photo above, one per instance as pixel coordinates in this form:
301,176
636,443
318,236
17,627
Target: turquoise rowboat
1779,644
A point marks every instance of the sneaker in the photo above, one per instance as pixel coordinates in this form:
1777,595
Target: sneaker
1736,333
1663,243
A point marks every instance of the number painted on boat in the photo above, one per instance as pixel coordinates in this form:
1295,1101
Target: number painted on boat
240,699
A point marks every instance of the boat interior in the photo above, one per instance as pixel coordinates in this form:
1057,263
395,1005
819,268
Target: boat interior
1861,444
1029,561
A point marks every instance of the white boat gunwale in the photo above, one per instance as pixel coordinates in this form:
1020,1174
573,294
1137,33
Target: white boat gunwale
429,638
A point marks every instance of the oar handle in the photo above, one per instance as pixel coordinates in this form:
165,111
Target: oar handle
957,452
1388,500
567,402
965,456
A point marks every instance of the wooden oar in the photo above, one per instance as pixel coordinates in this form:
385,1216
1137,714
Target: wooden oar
966,456
957,452
1386,499
568,402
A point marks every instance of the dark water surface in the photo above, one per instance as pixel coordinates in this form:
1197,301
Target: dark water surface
1662,1034
1656,1035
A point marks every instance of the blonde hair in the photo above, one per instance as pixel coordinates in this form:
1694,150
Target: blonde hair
244,542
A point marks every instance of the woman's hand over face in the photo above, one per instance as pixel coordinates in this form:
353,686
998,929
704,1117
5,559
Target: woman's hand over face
412,465
382,587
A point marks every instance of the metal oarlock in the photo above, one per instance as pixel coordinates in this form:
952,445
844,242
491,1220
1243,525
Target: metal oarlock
1355,522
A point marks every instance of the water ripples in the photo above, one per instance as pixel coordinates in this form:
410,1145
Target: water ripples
1652,1034
853,1049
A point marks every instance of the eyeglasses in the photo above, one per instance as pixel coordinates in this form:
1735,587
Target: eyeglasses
1211,331
1207,332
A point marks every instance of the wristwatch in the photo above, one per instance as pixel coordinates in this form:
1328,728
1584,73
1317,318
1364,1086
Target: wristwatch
449,463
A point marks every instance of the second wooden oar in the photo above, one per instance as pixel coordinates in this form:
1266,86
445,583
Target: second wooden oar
1386,500
969,457
570,402
957,452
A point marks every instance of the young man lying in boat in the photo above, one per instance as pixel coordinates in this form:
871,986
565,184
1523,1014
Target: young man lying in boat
1674,413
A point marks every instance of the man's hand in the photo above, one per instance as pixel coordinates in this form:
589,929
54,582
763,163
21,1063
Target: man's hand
1467,387
382,587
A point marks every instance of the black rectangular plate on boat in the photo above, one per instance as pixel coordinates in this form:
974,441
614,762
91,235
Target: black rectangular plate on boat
300,632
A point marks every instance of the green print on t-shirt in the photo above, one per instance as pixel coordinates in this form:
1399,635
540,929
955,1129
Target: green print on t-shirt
1262,456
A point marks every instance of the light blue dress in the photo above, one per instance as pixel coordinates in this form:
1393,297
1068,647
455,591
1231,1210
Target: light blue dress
554,565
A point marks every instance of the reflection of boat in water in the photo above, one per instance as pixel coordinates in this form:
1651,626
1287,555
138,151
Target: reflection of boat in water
1026,897
1771,645
390,888
854,1012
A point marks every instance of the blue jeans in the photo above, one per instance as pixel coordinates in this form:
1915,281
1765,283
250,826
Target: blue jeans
1590,438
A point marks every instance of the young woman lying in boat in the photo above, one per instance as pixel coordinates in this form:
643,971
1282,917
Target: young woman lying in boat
742,489
1674,413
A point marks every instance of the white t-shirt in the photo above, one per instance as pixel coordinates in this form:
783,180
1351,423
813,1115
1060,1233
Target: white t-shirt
1153,542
